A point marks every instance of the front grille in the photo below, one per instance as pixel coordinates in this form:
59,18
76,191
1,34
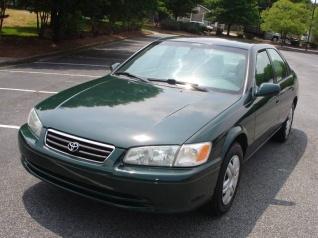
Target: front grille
78,147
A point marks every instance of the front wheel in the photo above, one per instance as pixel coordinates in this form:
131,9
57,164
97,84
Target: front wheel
228,181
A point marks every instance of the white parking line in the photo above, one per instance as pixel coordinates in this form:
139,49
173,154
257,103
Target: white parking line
98,58
10,127
91,65
35,72
27,90
125,54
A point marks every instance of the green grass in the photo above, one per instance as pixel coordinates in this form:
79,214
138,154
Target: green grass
19,23
23,31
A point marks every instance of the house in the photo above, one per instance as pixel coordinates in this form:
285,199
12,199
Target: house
199,16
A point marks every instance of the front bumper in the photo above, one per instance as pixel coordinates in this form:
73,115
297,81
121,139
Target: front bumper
139,188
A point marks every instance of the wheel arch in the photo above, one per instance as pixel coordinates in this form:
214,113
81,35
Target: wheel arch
295,101
236,134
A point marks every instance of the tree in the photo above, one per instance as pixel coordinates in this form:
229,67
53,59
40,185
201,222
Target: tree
42,8
314,26
180,8
240,12
263,4
286,17
67,18
301,1
2,14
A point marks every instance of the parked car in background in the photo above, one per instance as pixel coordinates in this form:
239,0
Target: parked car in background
202,26
168,130
272,36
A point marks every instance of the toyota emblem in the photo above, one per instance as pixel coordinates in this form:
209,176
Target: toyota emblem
73,146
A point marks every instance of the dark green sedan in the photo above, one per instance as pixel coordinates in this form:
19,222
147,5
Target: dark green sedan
168,130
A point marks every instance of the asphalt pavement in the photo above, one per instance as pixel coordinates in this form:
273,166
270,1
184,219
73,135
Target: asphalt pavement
278,194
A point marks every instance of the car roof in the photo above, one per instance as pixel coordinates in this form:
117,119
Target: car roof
216,41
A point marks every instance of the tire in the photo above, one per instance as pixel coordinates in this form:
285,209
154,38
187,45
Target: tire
283,133
275,39
228,181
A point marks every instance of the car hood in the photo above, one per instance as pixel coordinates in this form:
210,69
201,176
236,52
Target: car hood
129,113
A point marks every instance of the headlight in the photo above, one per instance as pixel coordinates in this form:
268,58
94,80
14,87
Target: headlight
34,123
169,156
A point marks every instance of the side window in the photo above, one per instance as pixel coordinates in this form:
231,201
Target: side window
280,67
264,73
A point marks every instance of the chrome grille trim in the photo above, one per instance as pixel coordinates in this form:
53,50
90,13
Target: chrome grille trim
88,150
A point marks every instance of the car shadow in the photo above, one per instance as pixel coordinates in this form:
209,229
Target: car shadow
69,215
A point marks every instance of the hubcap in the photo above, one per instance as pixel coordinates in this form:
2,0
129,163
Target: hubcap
230,179
289,122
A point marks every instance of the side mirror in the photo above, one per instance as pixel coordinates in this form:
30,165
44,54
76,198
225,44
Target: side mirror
268,89
113,67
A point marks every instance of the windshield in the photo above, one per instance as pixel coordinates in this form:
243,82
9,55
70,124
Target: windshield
210,66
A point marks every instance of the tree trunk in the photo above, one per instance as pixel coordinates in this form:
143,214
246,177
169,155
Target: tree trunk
53,15
2,14
57,29
56,20
228,29
281,39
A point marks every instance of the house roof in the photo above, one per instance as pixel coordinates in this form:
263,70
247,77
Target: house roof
204,8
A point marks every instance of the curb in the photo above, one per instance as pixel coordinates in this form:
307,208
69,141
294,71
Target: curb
14,61
297,50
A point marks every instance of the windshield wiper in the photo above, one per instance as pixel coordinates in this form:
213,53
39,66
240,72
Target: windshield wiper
175,82
132,76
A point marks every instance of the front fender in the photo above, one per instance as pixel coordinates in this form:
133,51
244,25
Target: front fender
234,133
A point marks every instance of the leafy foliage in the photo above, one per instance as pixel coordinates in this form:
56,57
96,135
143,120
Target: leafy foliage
240,12
314,33
42,8
263,4
180,8
170,24
67,16
2,13
286,17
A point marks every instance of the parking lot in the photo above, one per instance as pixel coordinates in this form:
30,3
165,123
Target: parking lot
278,194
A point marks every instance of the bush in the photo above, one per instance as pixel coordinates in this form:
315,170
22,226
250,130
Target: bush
194,29
184,26
163,14
249,36
241,36
313,45
219,31
170,24
295,42
72,26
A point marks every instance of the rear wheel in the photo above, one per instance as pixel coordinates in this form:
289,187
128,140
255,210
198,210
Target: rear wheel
228,181
283,133
275,39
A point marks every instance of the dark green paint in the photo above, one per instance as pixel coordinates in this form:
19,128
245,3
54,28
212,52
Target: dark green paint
116,110
120,107
268,89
